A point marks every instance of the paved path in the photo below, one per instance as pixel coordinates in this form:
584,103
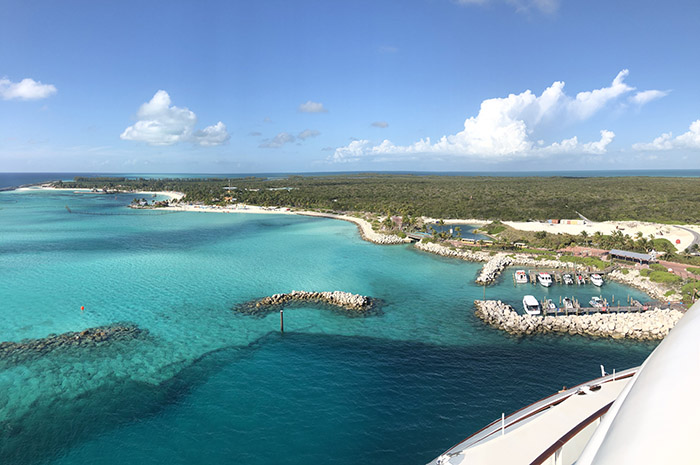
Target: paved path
696,236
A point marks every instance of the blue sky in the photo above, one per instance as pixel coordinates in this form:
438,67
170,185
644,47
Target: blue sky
267,86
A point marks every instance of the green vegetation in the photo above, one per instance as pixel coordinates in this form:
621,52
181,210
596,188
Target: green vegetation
693,270
657,267
669,293
624,271
690,290
645,272
594,262
493,228
663,200
664,277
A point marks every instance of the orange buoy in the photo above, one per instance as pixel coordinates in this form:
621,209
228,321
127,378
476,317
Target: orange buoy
82,308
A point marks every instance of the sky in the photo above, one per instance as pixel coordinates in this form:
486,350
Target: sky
303,86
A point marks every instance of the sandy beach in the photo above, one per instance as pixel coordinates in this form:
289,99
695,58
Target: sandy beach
172,195
631,228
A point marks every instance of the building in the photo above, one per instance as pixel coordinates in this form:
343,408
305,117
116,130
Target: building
641,258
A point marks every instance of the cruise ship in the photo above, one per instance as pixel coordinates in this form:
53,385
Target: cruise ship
643,415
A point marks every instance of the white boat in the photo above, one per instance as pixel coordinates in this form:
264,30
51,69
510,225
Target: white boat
520,277
568,279
567,303
580,279
531,305
545,279
551,306
597,280
596,302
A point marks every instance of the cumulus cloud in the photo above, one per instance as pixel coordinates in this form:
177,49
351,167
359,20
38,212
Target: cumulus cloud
504,126
160,123
380,124
307,133
312,107
26,89
687,140
644,97
278,141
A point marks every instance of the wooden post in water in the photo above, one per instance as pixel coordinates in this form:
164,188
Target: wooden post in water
281,321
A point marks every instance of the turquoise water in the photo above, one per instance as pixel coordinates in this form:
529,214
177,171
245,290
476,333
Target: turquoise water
208,385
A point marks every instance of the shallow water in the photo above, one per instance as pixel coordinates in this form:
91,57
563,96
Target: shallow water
208,385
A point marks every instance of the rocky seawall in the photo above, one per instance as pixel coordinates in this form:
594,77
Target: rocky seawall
493,268
649,325
344,300
30,348
634,279
439,249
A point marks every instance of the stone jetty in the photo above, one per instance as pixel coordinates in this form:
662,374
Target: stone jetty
344,300
91,337
649,325
438,249
492,269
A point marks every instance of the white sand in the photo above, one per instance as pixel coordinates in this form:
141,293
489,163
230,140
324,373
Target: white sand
631,228
172,195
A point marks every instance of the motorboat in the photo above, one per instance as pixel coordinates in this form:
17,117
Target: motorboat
531,305
545,279
521,277
551,306
597,280
596,302
568,279
567,303
580,279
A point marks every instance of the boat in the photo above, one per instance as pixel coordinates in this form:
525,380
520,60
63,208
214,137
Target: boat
596,302
551,306
597,280
580,279
568,279
531,305
520,277
545,279
567,303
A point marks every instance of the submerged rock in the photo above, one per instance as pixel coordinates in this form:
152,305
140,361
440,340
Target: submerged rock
91,337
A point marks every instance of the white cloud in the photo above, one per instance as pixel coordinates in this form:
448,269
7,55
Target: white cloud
503,128
26,89
312,107
212,135
278,141
307,133
380,124
545,6
160,123
644,97
687,140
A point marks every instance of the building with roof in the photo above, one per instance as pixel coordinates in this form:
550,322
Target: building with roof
642,258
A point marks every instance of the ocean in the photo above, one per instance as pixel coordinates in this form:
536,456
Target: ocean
207,384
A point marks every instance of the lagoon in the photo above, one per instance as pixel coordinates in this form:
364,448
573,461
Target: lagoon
208,385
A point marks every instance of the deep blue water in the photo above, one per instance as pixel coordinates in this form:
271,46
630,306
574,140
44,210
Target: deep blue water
209,385
18,179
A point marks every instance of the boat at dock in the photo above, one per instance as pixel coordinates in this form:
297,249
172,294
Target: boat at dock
550,306
596,302
567,303
568,279
597,280
531,305
545,279
521,277
580,279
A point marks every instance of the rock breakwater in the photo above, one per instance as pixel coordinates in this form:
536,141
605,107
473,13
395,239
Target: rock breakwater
493,268
439,249
344,300
91,337
649,325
